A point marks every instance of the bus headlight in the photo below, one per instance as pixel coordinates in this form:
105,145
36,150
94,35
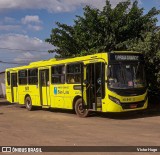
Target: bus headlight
115,100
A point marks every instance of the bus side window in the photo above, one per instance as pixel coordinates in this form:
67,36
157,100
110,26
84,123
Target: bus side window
74,73
33,76
58,74
22,75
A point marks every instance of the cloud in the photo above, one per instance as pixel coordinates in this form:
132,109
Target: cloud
26,57
30,19
32,22
10,24
35,27
22,48
53,5
20,41
21,26
9,20
10,27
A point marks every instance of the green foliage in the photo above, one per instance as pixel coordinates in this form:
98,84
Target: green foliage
103,30
125,27
150,47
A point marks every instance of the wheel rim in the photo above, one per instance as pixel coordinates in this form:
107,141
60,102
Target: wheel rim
81,110
28,103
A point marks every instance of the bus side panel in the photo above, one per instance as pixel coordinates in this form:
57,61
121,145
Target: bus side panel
69,94
21,94
32,91
34,94
62,96
57,96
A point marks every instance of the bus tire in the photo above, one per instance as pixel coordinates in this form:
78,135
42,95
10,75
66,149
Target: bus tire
79,109
28,103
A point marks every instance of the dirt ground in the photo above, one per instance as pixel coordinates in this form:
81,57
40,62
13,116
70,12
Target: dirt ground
19,127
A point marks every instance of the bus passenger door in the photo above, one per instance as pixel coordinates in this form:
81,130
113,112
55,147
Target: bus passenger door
94,89
14,87
44,87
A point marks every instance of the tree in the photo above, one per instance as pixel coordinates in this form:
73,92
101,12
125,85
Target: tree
125,27
150,47
103,30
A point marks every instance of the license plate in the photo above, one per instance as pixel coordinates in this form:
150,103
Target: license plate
132,106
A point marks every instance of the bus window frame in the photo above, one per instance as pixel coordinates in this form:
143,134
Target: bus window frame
81,67
32,76
23,77
62,75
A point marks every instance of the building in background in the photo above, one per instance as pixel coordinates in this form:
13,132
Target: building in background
2,84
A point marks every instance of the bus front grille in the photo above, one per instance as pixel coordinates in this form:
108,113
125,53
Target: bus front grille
132,105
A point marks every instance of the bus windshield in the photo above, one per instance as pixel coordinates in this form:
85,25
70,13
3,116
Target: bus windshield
126,76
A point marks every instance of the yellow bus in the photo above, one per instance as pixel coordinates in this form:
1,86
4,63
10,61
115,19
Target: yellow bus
105,82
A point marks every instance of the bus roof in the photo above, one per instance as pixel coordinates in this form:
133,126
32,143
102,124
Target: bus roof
67,60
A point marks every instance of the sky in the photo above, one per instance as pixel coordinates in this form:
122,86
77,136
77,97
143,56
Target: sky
25,24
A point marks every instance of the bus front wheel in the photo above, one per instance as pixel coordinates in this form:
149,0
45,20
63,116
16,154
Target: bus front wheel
28,103
79,109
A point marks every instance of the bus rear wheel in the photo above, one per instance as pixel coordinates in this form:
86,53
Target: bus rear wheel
79,109
28,103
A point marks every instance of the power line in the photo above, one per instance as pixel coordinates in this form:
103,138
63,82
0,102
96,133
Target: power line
4,48
13,63
11,58
24,59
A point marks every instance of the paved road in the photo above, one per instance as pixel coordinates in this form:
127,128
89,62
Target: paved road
63,128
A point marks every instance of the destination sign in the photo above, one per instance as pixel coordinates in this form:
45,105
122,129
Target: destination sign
126,57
